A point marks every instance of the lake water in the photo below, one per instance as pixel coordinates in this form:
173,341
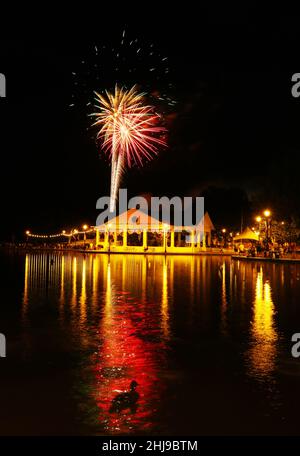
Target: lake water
207,339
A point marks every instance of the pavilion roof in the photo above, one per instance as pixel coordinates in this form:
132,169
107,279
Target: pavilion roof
135,219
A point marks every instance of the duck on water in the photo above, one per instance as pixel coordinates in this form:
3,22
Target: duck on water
125,400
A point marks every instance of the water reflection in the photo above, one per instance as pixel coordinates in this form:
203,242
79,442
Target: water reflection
130,348
159,321
262,354
165,302
25,291
114,313
82,299
224,301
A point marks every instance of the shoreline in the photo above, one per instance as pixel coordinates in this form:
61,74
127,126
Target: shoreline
270,260
116,252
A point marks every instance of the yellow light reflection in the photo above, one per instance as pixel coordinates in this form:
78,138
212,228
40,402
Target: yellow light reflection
82,299
165,302
108,303
224,304
95,269
74,284
62,289
25,293
262,355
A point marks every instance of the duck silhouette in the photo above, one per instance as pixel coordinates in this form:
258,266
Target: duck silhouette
125,400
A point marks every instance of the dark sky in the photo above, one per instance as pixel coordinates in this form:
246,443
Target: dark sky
235,127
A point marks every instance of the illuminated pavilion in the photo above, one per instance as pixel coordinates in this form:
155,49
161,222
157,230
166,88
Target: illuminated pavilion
136,232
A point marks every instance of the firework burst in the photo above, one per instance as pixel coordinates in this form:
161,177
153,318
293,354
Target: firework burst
129,132
127,61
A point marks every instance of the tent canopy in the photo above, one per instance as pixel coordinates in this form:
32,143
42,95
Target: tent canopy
247,235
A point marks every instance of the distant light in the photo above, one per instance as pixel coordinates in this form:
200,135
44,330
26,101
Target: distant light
85,227
252,228
267,213
75,231
282,223
224,230
63,231
27,232
258,218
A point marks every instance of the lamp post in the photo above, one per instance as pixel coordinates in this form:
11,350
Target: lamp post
84,227
27,235
267,215
75,231
258,220
63,236
266,219
224,236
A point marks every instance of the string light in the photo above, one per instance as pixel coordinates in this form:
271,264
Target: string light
56,235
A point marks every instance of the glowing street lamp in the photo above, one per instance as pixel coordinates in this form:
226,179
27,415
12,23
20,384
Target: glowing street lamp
258,220
27,235
84,227
267,214
224,236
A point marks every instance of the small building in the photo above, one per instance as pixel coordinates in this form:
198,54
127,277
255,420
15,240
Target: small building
136,232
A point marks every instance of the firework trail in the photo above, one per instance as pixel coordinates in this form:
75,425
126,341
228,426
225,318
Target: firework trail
129,131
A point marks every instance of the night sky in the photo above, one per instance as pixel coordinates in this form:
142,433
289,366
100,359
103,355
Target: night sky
233,134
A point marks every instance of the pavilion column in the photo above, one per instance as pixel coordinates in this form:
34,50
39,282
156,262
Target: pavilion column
145,238
204,240
192,238
179,238
172,239
199,239
106,240
125,236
